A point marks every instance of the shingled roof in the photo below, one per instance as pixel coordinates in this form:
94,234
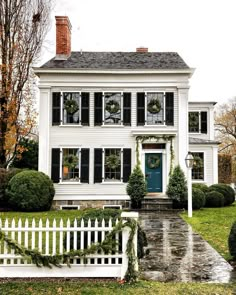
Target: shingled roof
193,140
119,60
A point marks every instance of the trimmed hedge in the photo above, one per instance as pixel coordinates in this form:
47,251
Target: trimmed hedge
203,187
232,241
226,191
214,199
5,177
198,198
30,191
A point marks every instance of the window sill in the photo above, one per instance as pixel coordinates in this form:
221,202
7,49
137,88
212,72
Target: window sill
198,180
155,125
71,125
70,182
112,182
112,126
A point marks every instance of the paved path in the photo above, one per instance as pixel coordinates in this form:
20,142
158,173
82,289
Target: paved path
176,253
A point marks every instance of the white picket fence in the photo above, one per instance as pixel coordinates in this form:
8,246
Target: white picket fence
56,238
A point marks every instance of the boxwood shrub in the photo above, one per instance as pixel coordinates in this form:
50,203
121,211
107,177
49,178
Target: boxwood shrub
203,187
214,199
226,191
198,198
30,191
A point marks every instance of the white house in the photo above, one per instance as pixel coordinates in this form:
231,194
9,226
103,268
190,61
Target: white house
101,112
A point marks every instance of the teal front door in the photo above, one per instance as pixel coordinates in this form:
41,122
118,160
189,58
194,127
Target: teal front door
153,172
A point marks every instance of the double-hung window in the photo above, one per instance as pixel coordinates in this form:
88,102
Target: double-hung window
155,108
70,108
112,165
197,122
198,166
112,108
70,165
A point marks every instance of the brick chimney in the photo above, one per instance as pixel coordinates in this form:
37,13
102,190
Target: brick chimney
142,49
63,36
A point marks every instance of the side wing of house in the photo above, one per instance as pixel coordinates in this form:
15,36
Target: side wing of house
202,143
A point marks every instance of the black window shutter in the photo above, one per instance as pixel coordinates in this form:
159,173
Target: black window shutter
84,175
126,164
140,108
97,165
56,108
170,108
85,108
127,109
98,108
203,122
55,165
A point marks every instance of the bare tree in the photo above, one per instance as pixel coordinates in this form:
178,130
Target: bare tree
23,25
225,127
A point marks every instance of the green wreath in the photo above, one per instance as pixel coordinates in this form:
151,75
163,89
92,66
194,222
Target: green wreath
71,106
154,106
112,106
112,161
153,161
70,161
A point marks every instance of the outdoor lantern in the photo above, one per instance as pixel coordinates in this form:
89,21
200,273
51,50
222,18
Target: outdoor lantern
189,160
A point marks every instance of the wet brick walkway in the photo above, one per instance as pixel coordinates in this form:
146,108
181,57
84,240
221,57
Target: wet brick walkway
176,253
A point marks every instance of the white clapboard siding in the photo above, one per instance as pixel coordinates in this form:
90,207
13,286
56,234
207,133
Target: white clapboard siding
63,236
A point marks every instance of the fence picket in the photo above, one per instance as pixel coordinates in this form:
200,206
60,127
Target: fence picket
61,237
33,234
54,237
5,244
13,226
19,237
40,240
75,238
47,240
82,238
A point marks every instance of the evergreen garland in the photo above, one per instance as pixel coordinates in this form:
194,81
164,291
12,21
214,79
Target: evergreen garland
141,139
109,245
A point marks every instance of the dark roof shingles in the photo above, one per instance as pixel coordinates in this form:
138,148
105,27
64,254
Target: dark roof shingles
119,60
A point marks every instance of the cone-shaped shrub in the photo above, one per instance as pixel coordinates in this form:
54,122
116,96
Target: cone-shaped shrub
177,187
136,187
30,191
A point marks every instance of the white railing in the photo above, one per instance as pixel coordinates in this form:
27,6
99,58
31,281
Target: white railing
59,237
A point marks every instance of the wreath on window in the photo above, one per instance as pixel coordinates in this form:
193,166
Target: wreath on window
153,161
112,106
112,161
70,161
154,106
71,106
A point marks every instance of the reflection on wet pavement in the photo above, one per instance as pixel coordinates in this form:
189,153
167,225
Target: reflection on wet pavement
176,253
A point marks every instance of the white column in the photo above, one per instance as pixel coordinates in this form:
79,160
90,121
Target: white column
44,125
182,138
215,164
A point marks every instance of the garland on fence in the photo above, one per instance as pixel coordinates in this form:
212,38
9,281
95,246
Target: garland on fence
107,246
141,139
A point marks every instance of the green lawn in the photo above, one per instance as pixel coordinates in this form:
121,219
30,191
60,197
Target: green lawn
106,288
214,225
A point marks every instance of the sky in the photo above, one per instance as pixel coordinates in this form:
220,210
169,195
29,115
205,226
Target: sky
203,32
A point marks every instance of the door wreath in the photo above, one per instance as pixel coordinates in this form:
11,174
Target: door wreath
71,106
154,106
112,106
112,161
153,161
70,161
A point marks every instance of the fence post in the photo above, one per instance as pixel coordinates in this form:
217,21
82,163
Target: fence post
125,237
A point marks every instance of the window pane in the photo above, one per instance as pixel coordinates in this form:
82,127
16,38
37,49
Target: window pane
198,166
70,164
193,118
112,105
112,165
155,108
71,112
